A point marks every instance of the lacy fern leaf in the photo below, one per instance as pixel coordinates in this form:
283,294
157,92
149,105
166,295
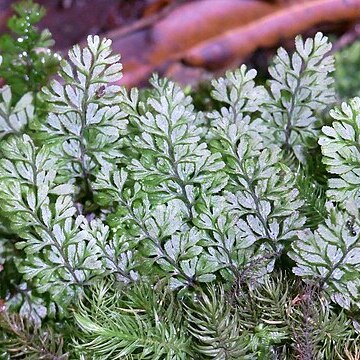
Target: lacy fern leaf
13,119
173,162
330,256
251,193
340,148
160,232
62,252
300,89
85,123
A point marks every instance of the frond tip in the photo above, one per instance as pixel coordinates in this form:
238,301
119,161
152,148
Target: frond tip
85,124
300,89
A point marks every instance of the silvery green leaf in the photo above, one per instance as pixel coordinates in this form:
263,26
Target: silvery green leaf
85,124
340,147
300,89
231,245
238,91
62,252
173,163
13,119
330,256
28,305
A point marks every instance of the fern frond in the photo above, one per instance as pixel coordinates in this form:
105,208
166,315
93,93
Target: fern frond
300,89
240,94
173,162
232,242
251,193
160,232
341,152
330,255
62,251
85,123
13,119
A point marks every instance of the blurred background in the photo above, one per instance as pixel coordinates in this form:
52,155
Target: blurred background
193,40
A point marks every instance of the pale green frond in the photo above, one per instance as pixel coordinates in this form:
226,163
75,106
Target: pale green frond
86,124
340,146
260,189
33,167
240,94
161,231
329,257
62,252
173,162
300,89
13,119
231,243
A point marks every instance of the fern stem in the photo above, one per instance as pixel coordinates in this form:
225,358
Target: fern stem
5,117
324,280
257,207
180,182
155,241
59,248
290,112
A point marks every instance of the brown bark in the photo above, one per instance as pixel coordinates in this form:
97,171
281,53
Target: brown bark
213,34
268,31
154,48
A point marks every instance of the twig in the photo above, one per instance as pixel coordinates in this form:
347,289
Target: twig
346,39
144,22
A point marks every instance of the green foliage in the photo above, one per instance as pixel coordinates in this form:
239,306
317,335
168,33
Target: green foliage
21,340
312,191
347,74
136,324
330,256
136,227
13,119
339,145
217,328
299,90
85,122
173,162
28,61
62,250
